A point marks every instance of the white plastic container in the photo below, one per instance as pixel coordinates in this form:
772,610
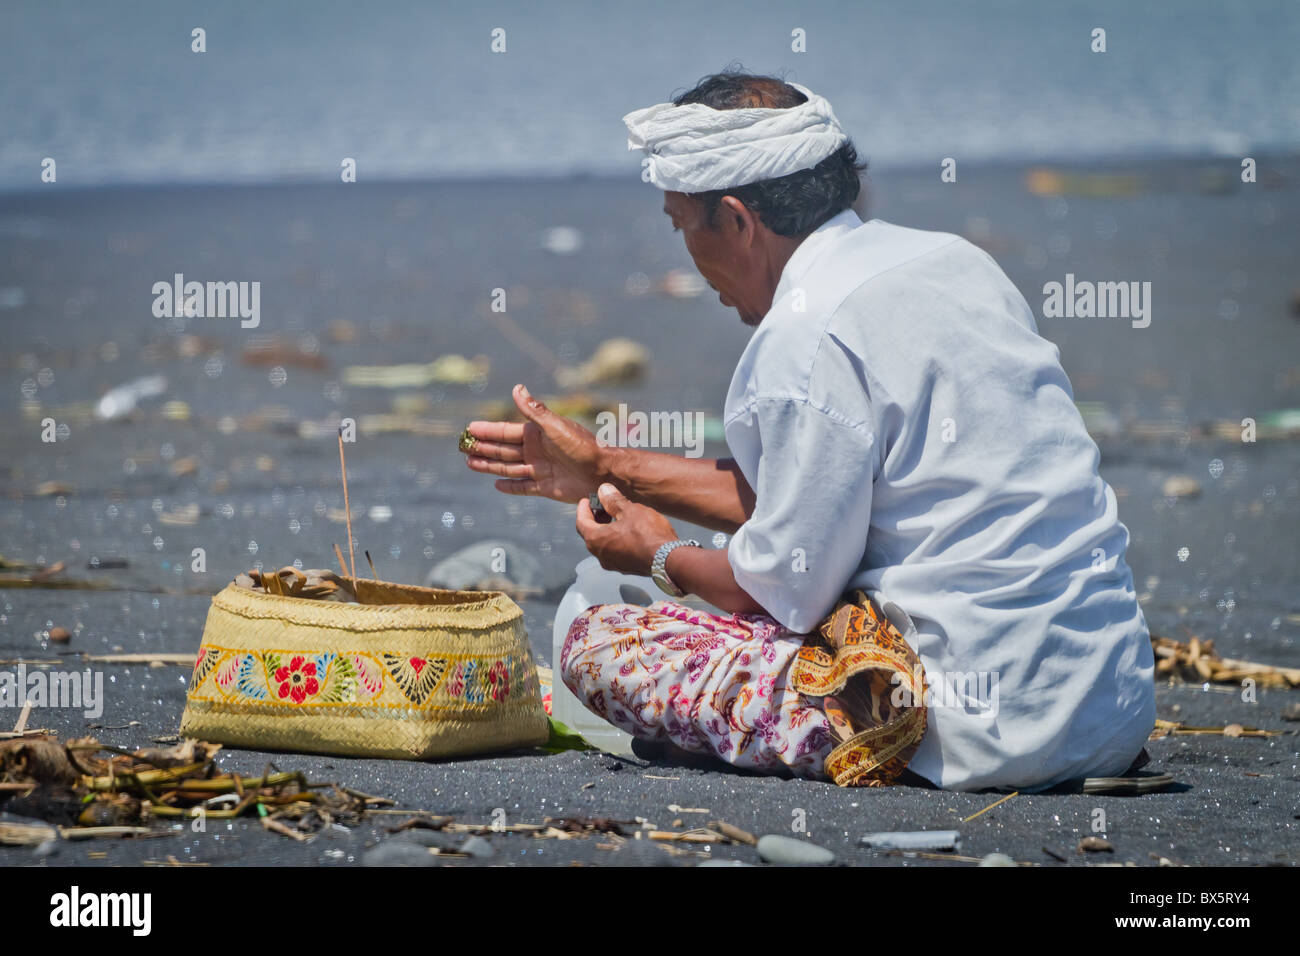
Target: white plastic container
594,585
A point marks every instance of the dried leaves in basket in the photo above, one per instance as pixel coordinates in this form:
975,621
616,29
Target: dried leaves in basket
319,584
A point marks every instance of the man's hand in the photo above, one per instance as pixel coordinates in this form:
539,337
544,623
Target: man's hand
547,455
629,542
557,458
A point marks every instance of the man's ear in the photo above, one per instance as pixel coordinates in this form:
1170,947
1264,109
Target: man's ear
734,214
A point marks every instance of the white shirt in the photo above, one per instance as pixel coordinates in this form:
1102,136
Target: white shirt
907,431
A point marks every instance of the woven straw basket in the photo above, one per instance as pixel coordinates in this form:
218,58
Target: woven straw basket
408,672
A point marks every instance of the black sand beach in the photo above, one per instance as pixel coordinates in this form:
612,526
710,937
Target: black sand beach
238,457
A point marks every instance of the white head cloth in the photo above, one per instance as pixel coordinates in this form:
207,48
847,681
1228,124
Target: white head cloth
695,148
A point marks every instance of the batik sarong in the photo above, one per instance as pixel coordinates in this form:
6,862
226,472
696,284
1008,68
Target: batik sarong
844,703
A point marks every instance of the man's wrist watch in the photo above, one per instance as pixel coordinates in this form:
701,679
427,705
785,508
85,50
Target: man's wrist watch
658,567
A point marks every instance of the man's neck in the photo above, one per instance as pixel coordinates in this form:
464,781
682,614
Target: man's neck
779,250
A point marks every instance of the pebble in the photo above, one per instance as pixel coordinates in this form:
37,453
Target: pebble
997,859
1181,486
773,848
494,562
398,853
421,837
562,240
477,847
1095,844
724,863
60,635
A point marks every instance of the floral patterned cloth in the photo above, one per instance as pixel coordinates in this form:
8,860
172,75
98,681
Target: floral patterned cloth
709,684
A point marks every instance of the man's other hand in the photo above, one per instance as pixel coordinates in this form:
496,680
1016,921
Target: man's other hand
547,455
629,542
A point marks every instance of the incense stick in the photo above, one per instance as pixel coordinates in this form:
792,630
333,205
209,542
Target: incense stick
347,509
343,565
990,806
373,573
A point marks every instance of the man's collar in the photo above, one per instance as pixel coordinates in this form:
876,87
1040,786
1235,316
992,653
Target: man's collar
813,246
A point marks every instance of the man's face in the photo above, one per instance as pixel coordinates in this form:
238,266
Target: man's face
721,255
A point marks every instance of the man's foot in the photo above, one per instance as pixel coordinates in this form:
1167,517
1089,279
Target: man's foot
1140,761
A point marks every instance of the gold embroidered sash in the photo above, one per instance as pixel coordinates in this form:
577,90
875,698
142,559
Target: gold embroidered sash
872,687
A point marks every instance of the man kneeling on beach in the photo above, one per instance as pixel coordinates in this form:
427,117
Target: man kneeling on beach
925,580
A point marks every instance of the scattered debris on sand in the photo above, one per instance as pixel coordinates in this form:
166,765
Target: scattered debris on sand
51,489
1045,181
121,401
88,789
424,837
615,361
682,284
50,578
1197,661
1174,728
913,840
446,370
184,658
1180,486
270,351
1094,844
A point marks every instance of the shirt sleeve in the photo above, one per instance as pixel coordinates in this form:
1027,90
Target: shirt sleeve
806,538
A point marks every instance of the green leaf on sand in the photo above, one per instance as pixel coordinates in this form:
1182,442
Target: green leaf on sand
562,739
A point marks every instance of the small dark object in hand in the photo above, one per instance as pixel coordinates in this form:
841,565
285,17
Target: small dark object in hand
598,510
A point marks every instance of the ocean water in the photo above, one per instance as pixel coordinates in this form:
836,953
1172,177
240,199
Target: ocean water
411,89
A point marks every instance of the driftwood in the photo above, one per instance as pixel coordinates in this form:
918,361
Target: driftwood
1174,728
1197,661
186,659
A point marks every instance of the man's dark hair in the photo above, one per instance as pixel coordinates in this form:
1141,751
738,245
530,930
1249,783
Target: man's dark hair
792,205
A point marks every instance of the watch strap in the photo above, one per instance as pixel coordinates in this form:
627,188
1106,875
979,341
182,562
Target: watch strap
659,566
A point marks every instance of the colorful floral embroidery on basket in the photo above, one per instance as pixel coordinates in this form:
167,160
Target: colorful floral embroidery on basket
294,679
417,676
